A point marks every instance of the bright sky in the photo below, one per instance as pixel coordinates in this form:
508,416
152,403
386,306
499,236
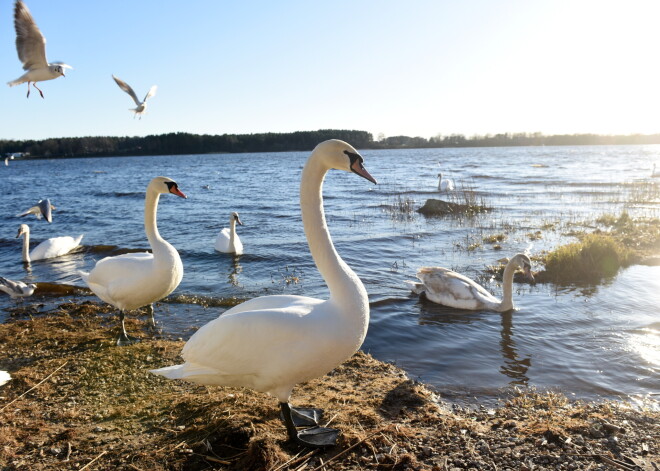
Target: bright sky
417,68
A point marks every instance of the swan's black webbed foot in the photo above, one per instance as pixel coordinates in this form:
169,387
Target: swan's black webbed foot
304,417
317,437
125,339
314,436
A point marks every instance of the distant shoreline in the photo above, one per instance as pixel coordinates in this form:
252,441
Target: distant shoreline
194,144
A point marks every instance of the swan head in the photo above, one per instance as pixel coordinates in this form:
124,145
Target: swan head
165,185
341,155
523,261
23,229
235,219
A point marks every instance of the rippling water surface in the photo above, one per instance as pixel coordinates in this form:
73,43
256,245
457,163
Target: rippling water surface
589,341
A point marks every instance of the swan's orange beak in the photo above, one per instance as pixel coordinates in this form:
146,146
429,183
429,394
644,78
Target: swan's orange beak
357,167
175,191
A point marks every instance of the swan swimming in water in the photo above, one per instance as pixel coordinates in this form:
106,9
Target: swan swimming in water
446,287
272,343
130,281
49,248
227,240
446,184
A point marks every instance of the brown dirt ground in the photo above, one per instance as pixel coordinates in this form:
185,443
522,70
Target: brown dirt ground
77,402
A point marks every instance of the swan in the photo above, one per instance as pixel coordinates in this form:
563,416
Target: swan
4,377
227,240
16,289
42,208
132,280
446,184
655,174
272,343
49,248
452,289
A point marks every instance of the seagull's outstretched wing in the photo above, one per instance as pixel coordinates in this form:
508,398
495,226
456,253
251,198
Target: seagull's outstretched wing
30,43
152,92
42,208
10,287
126,87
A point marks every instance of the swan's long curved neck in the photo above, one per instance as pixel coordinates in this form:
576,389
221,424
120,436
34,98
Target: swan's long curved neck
344,285
150,220
507,288
232,233
26,247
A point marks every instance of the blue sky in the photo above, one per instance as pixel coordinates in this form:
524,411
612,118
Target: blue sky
417,68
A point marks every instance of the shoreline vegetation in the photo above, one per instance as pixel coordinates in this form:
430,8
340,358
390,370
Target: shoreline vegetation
78,402
181,143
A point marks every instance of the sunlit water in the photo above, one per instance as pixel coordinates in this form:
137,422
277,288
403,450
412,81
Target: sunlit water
588,341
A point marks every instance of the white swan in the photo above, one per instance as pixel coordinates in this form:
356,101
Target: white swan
227,240
446,287
446,184
272,343
132,280
16,289
49,248
4,377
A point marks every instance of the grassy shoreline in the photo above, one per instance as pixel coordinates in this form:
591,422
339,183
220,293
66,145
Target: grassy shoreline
78,402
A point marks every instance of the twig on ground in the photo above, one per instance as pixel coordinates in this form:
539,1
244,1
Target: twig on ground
35,386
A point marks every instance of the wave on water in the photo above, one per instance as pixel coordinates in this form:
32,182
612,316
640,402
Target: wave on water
120,194
204,301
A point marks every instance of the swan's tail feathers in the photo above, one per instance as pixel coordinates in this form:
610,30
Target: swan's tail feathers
84,275
185,371
4,377
417,288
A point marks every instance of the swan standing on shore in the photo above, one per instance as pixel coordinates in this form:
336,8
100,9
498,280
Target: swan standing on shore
31,48
446,184
272,343
141,105
16,289
446,287
130,281
227,240
49,248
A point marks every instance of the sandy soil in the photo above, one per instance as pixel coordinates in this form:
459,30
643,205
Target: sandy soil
77,402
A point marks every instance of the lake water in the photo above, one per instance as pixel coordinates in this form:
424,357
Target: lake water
588,341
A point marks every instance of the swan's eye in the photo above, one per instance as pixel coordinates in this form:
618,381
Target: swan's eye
171,186
355,159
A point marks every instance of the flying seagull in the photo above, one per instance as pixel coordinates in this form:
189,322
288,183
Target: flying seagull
141,105
16,289
42,208
31,48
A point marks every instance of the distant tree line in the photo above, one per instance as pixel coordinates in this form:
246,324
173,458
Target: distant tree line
186,143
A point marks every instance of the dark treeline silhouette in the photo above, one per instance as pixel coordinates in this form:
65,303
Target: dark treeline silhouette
186,143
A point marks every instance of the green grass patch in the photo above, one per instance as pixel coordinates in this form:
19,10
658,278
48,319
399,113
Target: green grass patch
593,258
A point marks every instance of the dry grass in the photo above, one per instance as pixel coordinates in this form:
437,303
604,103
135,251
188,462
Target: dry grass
79,402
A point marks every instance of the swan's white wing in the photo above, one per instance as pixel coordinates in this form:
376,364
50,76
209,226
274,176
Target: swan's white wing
446,287
152,92
222,241
126,87
30,43
55,247
256,343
